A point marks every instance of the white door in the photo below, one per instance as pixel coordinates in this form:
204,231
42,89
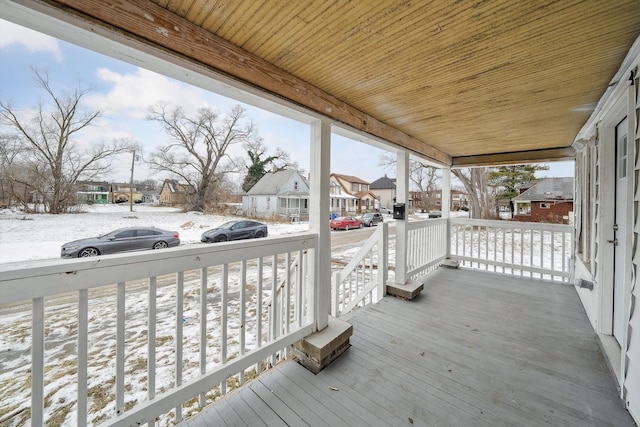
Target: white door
620,233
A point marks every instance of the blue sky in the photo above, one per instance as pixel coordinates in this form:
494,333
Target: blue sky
123,93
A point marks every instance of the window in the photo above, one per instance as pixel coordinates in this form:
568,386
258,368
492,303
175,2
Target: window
544,205
354,187
295,185
622,156
364,187
125,234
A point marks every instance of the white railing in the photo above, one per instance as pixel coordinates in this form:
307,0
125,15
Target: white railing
362,281
286,300
530,249
147,338
426,246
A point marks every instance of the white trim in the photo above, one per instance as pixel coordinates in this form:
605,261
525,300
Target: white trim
606,131
613,93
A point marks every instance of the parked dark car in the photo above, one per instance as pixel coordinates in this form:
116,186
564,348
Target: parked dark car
345,223
371,218
235,230
435,214
121,240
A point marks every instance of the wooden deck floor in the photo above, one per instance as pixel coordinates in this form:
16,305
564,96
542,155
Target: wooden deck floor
474,349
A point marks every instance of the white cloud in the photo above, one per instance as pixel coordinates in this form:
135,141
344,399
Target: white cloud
32,41
131,94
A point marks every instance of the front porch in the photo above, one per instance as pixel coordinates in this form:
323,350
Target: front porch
475,348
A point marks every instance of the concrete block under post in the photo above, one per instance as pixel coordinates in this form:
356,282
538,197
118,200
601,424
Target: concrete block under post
450,263
318,350
408,291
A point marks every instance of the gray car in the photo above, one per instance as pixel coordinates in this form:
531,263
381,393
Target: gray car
121,240
235,230
371,218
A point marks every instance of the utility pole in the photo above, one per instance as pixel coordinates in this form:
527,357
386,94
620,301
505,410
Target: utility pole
133,160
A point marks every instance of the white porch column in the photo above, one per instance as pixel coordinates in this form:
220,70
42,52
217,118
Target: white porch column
402,196
446,203
331,338
446,193
319,217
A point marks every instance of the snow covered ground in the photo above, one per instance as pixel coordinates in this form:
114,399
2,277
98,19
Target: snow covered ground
25,237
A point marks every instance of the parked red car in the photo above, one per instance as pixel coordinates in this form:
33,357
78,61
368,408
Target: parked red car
345,223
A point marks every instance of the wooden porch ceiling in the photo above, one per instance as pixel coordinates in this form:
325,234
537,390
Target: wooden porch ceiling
444,79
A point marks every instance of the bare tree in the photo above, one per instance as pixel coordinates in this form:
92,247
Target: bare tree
424,179
198,151
51,153
15,186
476,184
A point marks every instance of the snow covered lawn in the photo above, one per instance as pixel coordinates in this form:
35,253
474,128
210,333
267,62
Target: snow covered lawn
25,237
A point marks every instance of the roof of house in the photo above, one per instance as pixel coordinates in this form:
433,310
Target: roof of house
548,189
91,182
350,178
295,194
342,196
362,194
272,182
384,183
175,187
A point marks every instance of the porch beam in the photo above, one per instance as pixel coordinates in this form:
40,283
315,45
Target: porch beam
519,157
142,24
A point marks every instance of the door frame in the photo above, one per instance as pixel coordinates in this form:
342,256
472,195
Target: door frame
621,273
608,180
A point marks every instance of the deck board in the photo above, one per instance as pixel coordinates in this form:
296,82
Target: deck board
474,348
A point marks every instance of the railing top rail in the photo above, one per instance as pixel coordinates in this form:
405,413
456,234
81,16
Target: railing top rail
411,225
22,281
366,247
513,224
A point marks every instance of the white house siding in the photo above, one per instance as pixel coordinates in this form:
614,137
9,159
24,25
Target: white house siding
263,199
631,356
260,205
595,217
